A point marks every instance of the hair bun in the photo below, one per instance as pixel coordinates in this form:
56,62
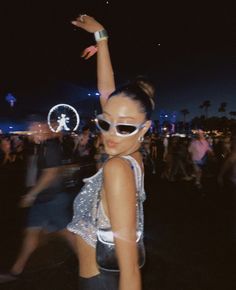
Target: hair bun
148,87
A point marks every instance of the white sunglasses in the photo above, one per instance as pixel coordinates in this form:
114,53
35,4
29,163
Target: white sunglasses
122,129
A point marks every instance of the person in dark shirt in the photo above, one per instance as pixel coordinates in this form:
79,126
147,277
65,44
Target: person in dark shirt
50,208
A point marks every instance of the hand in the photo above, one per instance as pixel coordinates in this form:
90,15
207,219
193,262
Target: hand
27,200
89,51
87,23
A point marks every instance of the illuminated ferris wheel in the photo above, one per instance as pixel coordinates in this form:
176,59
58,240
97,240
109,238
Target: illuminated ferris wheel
63,117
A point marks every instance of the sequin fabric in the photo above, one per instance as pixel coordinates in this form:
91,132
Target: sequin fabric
88,217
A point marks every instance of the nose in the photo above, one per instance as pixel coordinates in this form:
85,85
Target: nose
112,130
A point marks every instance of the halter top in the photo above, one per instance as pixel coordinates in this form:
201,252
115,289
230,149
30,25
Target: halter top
88,216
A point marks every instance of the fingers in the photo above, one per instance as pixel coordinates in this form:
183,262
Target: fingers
88,55
80,20
81,17
77,23
84,52
89,52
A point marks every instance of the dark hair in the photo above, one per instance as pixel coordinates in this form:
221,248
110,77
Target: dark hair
139,90
85,128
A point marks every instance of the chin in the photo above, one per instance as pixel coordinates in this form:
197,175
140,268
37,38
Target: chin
111,151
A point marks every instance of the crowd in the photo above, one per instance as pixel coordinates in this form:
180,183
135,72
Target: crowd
172,157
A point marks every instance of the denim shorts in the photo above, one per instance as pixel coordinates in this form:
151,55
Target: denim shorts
53,215
102,281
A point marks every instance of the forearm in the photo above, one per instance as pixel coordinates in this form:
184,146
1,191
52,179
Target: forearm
44,181
130,280
105,75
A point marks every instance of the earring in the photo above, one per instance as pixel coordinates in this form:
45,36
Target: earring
140,139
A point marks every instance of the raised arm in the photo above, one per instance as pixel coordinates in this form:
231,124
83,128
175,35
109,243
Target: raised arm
105,76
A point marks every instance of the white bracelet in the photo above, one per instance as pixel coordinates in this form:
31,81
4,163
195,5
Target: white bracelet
100,35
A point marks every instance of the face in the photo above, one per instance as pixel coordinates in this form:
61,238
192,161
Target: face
120,109
5,145
39,132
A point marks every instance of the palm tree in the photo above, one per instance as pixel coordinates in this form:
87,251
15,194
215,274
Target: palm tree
222,108
201,108
206,105
184,112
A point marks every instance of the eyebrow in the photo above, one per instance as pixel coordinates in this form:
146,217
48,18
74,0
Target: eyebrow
120,117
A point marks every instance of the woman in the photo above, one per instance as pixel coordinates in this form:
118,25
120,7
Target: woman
123,123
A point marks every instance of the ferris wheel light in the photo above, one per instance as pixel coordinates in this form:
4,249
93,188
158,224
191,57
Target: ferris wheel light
64,119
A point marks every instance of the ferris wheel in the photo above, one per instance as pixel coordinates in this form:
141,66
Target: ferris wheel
63,117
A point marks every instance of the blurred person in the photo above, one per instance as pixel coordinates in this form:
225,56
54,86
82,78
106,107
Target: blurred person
6,154
227,179
101,155
83,145
165,145
199,149
153,146
12,173
84,152
72,179
124,121
179,160
49,207
153,149
226,146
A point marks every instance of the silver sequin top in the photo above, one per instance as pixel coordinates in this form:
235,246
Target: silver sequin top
88,218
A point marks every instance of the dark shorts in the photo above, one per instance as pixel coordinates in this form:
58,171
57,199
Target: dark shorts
53,215
102,281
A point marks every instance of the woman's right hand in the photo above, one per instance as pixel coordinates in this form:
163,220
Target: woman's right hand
87,23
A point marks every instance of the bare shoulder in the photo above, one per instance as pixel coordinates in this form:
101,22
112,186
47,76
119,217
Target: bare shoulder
119,180
118,169
116,165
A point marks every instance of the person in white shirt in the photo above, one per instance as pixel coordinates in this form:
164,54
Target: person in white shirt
199,149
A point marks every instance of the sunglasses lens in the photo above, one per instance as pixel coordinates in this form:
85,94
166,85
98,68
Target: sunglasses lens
125,129
103,125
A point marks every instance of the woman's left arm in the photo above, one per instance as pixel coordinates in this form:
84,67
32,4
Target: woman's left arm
120,195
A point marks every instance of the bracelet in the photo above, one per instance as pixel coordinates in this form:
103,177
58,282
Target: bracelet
100,35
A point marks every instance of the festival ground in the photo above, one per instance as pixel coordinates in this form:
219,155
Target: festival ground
187,240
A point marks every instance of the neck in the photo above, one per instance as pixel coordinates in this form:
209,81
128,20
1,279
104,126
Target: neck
130,152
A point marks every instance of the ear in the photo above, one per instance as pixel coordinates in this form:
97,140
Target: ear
146,127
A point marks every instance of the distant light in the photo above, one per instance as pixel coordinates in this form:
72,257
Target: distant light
10,127
89,94
166,116
159,44
107,2
97,94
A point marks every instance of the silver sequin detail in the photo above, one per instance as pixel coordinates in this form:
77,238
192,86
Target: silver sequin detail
84,221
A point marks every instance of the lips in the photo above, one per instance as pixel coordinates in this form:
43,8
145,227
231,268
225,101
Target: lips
111,143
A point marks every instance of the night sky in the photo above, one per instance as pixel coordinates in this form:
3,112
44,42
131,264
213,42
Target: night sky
187,48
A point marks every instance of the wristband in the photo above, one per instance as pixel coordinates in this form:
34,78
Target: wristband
100,35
